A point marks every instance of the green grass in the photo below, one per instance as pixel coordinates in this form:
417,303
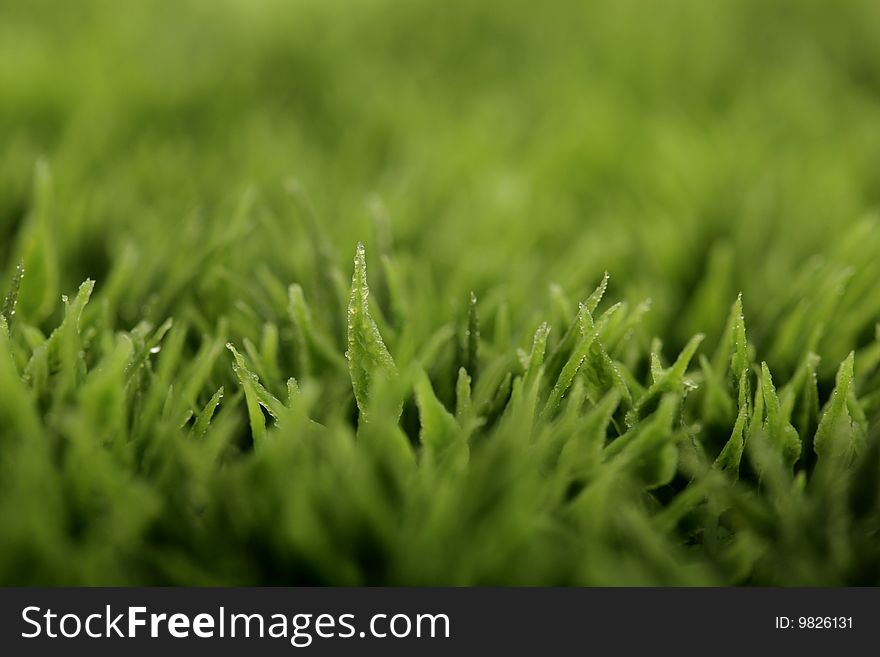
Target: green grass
345,317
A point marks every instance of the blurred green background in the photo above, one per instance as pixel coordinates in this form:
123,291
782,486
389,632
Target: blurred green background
512,143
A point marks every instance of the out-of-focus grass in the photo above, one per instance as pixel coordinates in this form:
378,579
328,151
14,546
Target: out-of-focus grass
212,167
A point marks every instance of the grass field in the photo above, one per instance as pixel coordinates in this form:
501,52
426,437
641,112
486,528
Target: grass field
346,318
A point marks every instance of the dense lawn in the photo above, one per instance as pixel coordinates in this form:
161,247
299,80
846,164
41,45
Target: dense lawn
346,317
